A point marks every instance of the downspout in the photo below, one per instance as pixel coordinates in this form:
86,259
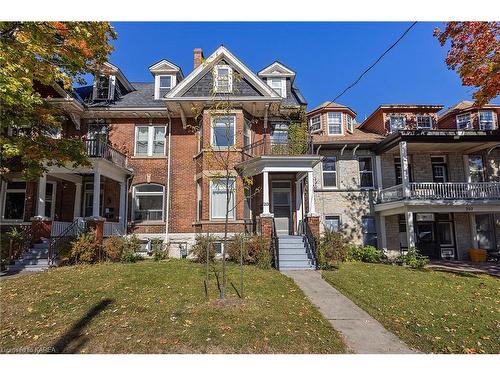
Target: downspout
167,213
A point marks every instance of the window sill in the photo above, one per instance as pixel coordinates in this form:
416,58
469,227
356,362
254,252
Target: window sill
148,157
151,222
219,221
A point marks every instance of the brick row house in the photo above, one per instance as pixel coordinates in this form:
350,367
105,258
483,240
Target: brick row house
169,156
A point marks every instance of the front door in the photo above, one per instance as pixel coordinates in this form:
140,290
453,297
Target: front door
426,239
439,173
281,206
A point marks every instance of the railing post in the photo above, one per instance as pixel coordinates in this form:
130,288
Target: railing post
403,153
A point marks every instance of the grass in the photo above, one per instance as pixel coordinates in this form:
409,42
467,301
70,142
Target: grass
158,307
434,312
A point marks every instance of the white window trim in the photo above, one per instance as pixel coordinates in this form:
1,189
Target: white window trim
212,132
173,82
4,200
282,82
366,172
493,117
232,214
134,201
249,198
310,124
332,215
341,124
111,87
216,79
390,122
151,134
54,195
430,122
349,124
463,115
330,172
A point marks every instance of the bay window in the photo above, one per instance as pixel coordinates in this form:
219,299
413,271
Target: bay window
150,140
148,202
334,123
349,123
222,198
223,131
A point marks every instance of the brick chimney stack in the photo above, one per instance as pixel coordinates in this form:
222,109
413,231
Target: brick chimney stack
198,57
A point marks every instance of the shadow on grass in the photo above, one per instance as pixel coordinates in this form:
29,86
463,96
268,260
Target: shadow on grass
72,341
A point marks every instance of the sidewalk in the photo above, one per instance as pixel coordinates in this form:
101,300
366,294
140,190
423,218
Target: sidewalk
361,332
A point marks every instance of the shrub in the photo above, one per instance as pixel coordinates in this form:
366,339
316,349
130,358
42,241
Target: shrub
113,248
332,249
233,248
160,251
85,249
131,245
258,252
199,249
413,259
367,254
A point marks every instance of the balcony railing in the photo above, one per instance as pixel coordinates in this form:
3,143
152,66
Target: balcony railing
442,191
267,147
96,148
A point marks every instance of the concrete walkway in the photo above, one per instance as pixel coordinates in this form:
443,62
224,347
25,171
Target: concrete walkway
361,332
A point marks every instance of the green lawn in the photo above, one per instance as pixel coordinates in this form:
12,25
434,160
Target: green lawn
431,311
151,307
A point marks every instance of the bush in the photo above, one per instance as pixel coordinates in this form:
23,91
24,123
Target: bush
160,251
199,249
367,254
255,251
85,249
332,250
113,248
131,245
413,259
233,249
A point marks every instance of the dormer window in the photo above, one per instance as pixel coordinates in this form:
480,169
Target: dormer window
163,84
486,120
278,85
349,123
315,124
223,79
464,121
334,123
424,122
397,122
104,87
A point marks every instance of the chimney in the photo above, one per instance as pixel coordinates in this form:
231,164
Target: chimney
198,57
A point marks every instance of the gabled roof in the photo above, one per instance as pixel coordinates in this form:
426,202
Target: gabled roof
219,54
330,105
165,66
276,69
432,107
463,106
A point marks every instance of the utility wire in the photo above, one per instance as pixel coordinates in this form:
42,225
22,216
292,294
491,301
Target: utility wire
375,63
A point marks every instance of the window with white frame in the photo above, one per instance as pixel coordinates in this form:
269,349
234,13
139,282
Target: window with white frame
315,124
199,202
334,123
150,140
369,230
223,79
104,87
278,85
279,133
349,123
247,133
365,172
218,247
222,198
15,196
329,171
247,206
476,168
424,122
486,120
464,121
148,202
164,84
397,122
332,223
223,131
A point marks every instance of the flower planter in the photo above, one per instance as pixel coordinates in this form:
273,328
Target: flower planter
478,255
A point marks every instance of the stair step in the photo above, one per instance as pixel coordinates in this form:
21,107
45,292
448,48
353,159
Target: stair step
293,257
27,262
291,268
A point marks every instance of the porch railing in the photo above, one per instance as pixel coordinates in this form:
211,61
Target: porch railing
73,230
113,229
311,244
443,191
96,148
267,147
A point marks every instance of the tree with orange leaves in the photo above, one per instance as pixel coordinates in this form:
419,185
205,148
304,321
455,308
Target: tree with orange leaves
34,57
475,54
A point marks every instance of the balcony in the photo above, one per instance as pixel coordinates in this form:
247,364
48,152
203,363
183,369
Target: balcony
95,148
266,147
442,191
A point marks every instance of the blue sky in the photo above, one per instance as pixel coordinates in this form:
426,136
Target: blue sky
326,56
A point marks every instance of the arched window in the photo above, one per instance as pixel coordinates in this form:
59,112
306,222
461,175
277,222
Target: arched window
148,202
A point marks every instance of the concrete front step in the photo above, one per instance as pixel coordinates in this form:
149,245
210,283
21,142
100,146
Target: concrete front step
303,257
293,268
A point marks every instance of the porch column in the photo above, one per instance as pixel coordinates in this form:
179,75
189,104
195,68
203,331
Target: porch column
378,169
410,230
97,192
78,200
298,203
123,202
310,193
265,195
42,186
383,234
405,175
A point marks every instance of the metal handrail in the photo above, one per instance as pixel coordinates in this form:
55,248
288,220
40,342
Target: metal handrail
54,242
311,244
264,147
96,148
275,246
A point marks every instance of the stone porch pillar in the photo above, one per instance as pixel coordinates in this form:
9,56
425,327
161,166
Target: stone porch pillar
383,234
410,229
265,193
78,200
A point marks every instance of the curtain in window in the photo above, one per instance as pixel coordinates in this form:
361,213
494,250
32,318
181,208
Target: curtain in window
223,131
219,198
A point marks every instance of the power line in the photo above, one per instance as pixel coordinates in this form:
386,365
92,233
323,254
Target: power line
375,63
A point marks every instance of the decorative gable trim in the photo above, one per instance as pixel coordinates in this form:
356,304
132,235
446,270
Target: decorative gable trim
165,66
276,69
113,70
206,67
